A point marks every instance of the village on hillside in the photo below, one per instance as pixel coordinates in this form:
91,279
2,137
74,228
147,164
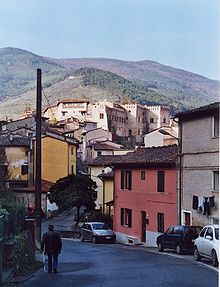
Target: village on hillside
145,163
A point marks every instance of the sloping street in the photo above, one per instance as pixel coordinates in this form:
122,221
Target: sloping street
87,264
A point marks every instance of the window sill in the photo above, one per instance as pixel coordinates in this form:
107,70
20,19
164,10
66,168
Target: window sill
215,191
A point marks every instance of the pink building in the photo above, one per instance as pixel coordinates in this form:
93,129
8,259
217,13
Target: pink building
145,194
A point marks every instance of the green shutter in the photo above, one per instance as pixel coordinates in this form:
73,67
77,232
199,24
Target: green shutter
122,216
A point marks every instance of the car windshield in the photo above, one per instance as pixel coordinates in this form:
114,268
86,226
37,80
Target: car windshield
217,233
98,226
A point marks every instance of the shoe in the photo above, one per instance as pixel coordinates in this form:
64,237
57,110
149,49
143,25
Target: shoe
55,270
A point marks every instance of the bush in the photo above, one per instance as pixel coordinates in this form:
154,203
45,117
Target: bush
16,213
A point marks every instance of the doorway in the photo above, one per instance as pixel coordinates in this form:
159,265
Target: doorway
143,226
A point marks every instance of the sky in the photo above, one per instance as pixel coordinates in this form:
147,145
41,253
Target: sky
184,34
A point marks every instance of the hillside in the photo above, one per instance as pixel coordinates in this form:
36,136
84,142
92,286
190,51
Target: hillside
146,82
91,84
189,88
18,71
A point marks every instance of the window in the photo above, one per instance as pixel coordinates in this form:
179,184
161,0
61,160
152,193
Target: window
72,149
99,153
164,120
24,169
72,169
160,222
216,125
101,116
160,181
63,113
126,217
169,230
215,180
202,233
209,232
142,175
126,179
151,120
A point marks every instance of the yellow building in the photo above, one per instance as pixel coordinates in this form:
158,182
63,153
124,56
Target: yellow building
108,191
58,156
14,160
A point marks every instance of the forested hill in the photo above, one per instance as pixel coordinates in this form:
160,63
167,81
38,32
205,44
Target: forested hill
146,82
189,88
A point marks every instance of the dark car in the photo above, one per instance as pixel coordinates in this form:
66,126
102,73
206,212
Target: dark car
97,232
30,213
180,238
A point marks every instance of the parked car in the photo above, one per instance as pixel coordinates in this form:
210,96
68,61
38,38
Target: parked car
180,238
207,244
29,212
97,232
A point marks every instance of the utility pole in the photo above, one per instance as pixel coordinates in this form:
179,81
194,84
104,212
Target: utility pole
38,162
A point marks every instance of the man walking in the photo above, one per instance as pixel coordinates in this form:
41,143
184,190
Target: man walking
51,244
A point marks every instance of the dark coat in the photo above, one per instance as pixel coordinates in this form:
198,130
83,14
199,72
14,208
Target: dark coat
52,242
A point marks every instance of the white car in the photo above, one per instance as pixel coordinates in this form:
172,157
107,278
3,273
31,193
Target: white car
207,244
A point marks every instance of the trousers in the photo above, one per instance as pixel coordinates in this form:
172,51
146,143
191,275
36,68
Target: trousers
52,261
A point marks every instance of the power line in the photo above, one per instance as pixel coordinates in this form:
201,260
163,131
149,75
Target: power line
49,105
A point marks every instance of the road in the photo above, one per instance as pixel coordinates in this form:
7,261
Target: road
86,264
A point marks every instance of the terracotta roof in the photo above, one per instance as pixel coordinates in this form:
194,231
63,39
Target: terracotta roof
166,155
104,146
14,141
200,112
106,175
72,101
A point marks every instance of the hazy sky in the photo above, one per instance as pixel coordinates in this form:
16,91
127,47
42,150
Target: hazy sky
180,33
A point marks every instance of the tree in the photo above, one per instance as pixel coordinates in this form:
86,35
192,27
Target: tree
74,191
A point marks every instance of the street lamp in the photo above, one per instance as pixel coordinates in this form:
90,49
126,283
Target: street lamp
179,156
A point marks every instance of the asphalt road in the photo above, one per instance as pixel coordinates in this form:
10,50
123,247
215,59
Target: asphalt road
86,264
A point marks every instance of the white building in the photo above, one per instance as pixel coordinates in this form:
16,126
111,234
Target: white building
67,108
158,116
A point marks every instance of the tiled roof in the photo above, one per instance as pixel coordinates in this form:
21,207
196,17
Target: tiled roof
199,112
104,146
14,141
144,156
72,101
106,175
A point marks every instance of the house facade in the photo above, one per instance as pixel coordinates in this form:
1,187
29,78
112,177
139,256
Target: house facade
199,182
14,152
145,194
156,138
58,156
158,116
67,108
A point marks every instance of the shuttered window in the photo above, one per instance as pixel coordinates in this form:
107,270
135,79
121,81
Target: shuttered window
160,222
160,181
126,179
126,217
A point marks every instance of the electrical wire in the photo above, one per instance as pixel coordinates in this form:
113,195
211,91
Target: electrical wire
49,105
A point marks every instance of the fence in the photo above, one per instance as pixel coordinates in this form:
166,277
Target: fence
2,235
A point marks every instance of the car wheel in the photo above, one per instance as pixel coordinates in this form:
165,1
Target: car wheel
94,239
214,258
197,256
160,247
178,249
